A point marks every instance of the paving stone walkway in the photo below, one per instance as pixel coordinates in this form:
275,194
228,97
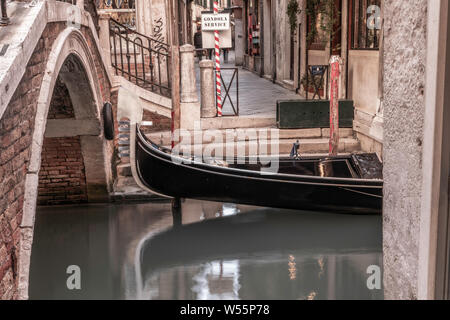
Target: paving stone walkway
257,96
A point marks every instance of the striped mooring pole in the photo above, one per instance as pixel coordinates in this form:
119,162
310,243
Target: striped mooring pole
335,63
217,52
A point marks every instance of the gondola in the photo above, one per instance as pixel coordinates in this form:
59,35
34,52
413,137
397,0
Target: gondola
350,184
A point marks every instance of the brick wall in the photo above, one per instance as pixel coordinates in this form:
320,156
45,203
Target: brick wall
62,178
105,86
160,123
61,105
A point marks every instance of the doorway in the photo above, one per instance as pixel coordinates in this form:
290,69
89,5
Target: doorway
291,56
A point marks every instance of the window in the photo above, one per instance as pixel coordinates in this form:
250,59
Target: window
320,32
365,24
201,3
319,42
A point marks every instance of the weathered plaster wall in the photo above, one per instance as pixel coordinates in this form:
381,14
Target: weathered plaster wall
151,19
282,44
364,88
363,70
404,78
267,33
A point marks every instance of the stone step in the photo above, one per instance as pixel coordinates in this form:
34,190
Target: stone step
126,189
164,138
124,170
236,122
284,147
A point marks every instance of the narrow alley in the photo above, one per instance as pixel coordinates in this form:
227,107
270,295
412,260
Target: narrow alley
257,96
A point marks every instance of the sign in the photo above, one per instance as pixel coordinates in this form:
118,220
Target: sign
213,22
225,39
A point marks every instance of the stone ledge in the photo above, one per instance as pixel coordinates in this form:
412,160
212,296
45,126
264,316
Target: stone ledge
359,127
57,128
236,122
142,99
245,134
283,147
126,189
27,24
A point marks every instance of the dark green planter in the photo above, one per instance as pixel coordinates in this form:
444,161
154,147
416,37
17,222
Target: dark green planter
306,114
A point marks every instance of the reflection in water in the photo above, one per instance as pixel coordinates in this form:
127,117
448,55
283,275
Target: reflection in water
292,268
203,250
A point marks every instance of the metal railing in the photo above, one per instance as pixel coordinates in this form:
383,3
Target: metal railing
318,76
227,87
140,59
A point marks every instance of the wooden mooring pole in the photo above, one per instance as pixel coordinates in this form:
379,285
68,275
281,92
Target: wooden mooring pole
177,215
335,63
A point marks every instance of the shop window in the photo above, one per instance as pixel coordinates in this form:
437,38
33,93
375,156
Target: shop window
319,32
202,3
320,39
365,21
253,28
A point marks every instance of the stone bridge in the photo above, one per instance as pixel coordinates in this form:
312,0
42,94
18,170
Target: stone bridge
55,77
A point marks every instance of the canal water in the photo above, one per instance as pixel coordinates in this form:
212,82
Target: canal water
204,250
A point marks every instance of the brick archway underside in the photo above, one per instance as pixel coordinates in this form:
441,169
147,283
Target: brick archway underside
62,177
72,139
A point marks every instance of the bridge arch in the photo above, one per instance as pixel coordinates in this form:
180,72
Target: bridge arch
71,63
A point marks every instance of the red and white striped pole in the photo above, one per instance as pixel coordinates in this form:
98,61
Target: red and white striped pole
335,63
217,52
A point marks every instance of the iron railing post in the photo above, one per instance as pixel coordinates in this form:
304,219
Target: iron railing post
4,20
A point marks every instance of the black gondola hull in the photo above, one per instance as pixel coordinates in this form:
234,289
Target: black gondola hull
161,174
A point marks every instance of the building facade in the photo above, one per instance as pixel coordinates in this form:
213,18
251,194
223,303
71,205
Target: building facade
283,51
151,18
